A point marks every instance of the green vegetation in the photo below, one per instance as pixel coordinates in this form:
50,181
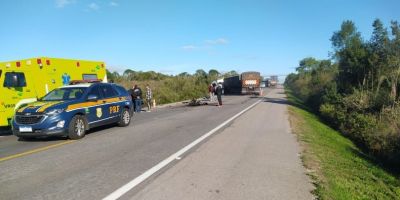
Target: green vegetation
340,170
357,90
166,88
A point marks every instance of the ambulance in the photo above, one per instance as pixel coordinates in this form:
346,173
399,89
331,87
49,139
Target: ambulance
25,81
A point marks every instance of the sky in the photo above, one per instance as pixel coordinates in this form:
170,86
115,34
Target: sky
175,36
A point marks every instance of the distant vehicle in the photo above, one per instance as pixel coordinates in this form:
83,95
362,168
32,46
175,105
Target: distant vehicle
24,81
232,85
263,84
72,110
273,81
251,83
246,83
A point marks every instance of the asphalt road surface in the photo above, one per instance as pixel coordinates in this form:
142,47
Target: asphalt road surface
253,156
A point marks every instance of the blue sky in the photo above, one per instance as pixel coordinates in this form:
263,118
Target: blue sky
174,36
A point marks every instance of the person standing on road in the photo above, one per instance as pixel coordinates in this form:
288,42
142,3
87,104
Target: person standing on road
149,96
211,92
133,97
218,91
137,95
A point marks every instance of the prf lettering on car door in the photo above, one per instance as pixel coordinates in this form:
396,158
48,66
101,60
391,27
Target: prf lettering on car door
114,109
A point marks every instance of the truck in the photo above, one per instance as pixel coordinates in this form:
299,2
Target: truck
27,80
251,83
273,81
232,85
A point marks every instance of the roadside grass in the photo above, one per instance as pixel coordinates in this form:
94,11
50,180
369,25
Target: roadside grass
338,168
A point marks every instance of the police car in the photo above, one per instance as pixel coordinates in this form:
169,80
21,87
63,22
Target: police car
73,109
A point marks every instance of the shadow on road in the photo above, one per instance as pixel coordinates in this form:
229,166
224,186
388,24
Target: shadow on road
255,97
55,138
42,139
5,131
284,101
276,100
101,128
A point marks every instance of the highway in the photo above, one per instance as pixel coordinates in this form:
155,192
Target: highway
111,157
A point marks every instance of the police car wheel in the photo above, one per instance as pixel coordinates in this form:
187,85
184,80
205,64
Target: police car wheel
77,127
125,118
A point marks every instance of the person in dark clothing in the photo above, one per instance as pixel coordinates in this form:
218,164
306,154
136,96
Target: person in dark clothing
130,91
218,90
136,94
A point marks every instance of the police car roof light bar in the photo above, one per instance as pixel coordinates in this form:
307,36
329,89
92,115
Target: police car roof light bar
74,82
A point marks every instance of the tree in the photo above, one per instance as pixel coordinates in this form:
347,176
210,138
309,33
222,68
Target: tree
116,75
230,74
359,92
213,73
109,75
351,53
344,37
201,77
184,74
129,74
378,56
307,65
200,73
394,59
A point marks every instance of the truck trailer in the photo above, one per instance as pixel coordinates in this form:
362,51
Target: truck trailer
251,83
25,81
232,85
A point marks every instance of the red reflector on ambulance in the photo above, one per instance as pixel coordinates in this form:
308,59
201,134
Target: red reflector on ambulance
47,62
18,64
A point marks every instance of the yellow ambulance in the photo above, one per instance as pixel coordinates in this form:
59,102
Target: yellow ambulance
25,81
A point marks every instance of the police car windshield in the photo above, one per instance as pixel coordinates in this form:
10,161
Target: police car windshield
64,94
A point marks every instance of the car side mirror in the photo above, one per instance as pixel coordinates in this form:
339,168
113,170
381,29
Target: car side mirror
92,97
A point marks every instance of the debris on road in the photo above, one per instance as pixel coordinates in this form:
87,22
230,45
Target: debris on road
198,102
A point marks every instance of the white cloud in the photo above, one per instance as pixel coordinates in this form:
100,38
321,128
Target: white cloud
217,41
207,45
114,4
63,3
189,47
93,6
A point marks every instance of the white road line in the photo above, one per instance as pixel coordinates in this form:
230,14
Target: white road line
129,186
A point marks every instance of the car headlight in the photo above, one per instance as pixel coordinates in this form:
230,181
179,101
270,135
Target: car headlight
54,112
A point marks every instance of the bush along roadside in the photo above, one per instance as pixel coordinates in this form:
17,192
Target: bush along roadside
339,169
357,90
170,88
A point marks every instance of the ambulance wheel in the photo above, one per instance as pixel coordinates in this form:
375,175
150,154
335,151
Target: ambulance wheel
77,127
125,118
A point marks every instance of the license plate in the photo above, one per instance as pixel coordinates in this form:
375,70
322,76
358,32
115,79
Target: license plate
25,129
